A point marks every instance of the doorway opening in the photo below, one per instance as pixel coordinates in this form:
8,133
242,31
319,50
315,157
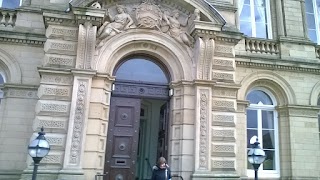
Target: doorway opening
138,120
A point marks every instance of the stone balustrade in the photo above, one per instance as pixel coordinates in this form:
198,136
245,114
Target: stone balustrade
7,18
262,46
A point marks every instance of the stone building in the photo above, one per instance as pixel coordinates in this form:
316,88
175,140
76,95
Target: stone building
118,83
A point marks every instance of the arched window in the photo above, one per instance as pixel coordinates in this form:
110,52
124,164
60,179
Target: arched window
10,4
262,122
255,18
141,69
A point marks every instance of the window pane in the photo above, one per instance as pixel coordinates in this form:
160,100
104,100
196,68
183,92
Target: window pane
256,96
269,163
1,80
245,14
311,21
245,28
10,4
268,139
261,29
138,69
309,6
318,103
252,120
247,2
260,14
267,120
312,35
250,133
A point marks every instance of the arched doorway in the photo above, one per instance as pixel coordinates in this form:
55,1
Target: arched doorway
138,125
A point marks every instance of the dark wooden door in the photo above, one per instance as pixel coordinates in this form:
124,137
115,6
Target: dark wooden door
122,140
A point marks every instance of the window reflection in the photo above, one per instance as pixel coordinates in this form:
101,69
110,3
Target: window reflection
259,96
10,4
141,70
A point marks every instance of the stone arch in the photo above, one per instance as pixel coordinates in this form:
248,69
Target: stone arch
11,67
315,94
170,53
280,88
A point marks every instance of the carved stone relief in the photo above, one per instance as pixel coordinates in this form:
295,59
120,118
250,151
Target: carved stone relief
21,93
147,15
59,60
79,117
86,46
203,157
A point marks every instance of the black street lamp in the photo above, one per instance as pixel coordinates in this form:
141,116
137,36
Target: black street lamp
256,157
38,149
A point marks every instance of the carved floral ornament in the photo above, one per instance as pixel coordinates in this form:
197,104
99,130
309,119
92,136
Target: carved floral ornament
146,15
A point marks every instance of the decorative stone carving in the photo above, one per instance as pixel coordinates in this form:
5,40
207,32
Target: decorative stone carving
148,15
61,32
48,122
196,14
96,5
223,76
225,51
56,79
223,64
120,22
56,139
52,159
204,59
58,108
224,92
79,117
60,47
20,93
54,92
203,157
223,164
172,26
223,120
59,60
227,135
86,46
223,105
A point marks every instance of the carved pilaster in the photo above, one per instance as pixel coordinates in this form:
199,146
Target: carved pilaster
204,57
86,46
79,111
203,130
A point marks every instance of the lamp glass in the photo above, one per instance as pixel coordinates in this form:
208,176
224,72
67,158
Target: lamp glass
39,148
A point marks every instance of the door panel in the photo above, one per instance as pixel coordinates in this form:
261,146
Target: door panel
163,138
122,140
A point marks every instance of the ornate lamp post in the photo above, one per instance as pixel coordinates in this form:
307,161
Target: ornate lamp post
256,157
38,149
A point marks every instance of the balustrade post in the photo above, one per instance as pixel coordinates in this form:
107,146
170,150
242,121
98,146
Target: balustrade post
10,22
3,20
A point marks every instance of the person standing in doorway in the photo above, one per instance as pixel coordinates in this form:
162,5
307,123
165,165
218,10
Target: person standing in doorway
161,171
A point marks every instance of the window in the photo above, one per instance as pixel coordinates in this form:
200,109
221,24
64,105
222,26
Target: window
262,122
312,16
10,4
141,69
255,20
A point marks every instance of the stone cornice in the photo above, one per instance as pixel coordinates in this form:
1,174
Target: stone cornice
217,32
289,67
84,14
22,38
301,110
58,18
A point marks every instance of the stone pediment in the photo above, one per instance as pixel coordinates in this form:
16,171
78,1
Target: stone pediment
207,11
